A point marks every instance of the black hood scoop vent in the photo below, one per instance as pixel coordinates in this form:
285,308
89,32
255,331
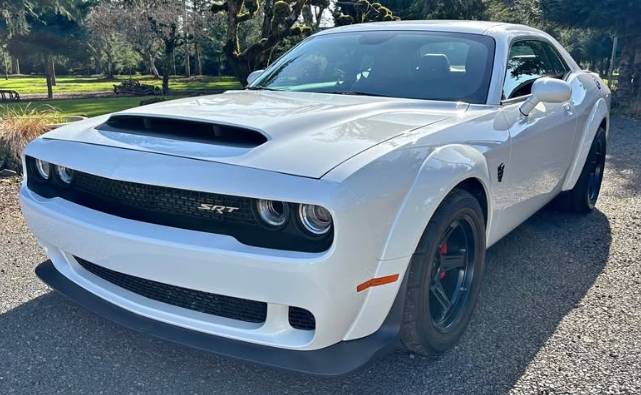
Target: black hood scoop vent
186,130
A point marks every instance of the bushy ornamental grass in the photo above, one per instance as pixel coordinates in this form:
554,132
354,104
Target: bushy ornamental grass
20,125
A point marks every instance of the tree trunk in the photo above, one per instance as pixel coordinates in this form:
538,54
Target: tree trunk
110,68
637,72
52,72
98,65
199,65
427,9
637,84
165,70
49,87
16,66
173,63
152,67
187,62
49,72
5,63
626,67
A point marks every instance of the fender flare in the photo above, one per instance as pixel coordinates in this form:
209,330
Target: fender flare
599,112
442,171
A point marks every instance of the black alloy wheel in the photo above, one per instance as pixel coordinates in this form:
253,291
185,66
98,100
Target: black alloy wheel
452,273
444,276
583,196
597,165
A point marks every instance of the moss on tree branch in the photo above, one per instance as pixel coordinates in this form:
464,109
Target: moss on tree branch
218,6
280,20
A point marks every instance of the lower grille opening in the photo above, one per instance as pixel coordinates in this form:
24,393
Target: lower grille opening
301,319
203,302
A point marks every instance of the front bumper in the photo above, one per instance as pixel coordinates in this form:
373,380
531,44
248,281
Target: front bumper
336,360
323,283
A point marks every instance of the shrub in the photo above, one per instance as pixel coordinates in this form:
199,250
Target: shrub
19,125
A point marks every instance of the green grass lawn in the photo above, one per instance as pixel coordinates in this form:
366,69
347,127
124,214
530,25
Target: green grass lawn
71,84
86,107
98,106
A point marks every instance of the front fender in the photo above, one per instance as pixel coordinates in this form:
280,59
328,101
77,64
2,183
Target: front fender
599,111
443,169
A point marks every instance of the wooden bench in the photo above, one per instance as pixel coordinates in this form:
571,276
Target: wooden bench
6,95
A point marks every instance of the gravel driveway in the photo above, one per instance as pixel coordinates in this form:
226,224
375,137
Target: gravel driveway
560,313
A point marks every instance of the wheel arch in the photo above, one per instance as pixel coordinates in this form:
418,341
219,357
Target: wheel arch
447,168
474,186
599,116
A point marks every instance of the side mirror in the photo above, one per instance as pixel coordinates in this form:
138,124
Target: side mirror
253,76
546,90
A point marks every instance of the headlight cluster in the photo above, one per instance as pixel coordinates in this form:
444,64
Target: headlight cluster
44,171
314,220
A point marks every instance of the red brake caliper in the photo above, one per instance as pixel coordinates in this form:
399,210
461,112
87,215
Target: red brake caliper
441,275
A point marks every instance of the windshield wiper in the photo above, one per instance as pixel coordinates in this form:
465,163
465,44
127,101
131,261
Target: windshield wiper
261,88
352,93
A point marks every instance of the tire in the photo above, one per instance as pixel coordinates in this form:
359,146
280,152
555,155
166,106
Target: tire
425,329
583,197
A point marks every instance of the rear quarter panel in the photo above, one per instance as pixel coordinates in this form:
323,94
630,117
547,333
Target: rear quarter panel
592,99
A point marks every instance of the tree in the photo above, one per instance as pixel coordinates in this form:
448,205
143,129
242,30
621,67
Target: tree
455,9
205,27
15,14
136,29
622,17
50,35
280,20
152,26
102,24
161,16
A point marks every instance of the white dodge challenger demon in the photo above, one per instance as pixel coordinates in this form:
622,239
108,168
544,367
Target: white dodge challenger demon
336,209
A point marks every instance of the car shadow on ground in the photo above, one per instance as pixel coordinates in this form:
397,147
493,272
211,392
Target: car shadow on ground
535,277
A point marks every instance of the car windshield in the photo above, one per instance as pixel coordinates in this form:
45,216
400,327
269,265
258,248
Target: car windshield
403,64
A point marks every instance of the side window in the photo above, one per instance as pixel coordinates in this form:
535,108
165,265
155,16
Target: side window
556,62
527,62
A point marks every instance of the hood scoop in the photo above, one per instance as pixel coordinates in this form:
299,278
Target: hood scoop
184,130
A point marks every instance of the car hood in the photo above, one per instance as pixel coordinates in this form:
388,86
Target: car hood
306,134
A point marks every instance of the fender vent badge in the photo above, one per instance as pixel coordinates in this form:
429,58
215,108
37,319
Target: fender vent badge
500,171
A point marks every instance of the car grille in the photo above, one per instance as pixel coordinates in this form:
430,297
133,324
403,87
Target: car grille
208,303
301,319
177,208
170,201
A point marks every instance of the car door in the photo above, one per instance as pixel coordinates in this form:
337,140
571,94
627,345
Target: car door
541,142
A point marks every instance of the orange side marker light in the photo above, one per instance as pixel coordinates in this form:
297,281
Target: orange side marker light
376,282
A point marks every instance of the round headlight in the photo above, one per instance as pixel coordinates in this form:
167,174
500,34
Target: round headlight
43,168
64,174
316,219
274,213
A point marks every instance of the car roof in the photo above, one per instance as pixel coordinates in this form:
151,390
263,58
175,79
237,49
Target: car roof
460,26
